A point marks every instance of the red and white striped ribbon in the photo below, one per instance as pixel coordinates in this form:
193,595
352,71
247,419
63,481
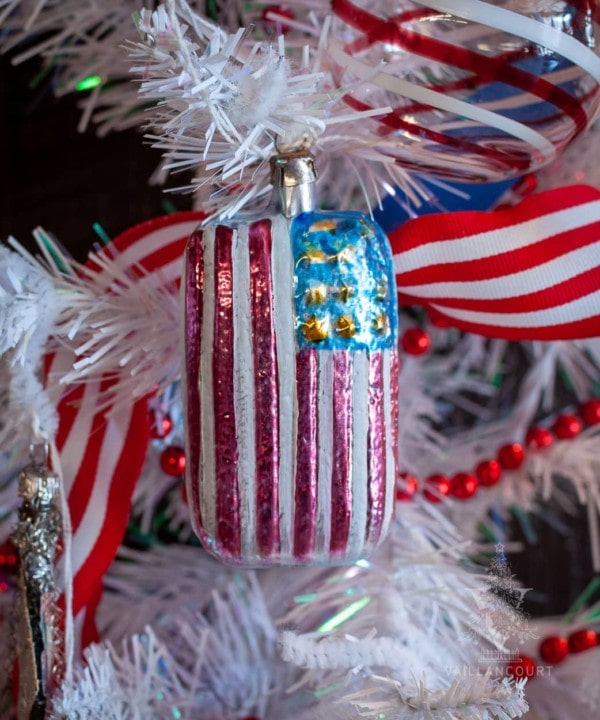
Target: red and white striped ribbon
102,452
529,272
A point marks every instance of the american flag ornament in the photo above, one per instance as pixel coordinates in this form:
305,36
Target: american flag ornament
291,382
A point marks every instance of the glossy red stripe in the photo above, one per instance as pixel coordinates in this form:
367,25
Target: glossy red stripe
341,493
194,290
266,390
394,399
305,496
558,294
503,263
376,450
163,257
226,450
443,227
132,453
577,329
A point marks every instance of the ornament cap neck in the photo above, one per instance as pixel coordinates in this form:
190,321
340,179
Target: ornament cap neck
294,178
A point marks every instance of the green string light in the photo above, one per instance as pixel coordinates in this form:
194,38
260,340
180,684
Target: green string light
88,83
344,615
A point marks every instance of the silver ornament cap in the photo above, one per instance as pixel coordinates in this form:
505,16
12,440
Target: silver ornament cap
294,179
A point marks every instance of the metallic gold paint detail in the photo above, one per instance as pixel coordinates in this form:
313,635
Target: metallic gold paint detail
380,324
345,292
317,294
345,326
327,225
381,291
315,330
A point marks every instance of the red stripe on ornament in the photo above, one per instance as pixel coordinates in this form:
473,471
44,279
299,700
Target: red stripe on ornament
341,480
194,308
266,390
226,450
307,465
376,451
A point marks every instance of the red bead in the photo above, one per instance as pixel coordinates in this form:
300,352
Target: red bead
522,667
488,472
438,320
538,438
9,559
567,427
160,425
172,460
276,22
415,341
511,456
435,487
406,487
554,649
583,640
590,412
464,486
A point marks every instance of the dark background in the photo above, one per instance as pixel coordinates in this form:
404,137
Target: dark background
50,175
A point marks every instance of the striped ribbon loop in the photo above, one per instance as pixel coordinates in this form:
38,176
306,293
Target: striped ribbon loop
530,272
102,452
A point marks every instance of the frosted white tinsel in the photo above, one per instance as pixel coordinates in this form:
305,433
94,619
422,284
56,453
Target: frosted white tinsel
29,309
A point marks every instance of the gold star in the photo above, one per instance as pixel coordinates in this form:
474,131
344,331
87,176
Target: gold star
381,290
316,295
315,330
380,324
345,326
345,293
328,225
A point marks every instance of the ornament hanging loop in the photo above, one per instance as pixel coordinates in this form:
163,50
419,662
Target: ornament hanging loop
294,183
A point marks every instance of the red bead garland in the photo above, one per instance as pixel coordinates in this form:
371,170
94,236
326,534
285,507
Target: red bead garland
554,649
277,23
488,472
160,425
590,412
407,486
511,456
436,486
538,438
172,460
583,640
464,486
566,427
415,341
522,667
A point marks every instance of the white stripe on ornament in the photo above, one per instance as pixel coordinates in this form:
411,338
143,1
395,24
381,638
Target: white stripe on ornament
282,269
360,468
580,309
390,465
535,279
207,455
325,452
243,379
507,238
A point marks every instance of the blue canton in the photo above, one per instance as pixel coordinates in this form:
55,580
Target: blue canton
344,288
